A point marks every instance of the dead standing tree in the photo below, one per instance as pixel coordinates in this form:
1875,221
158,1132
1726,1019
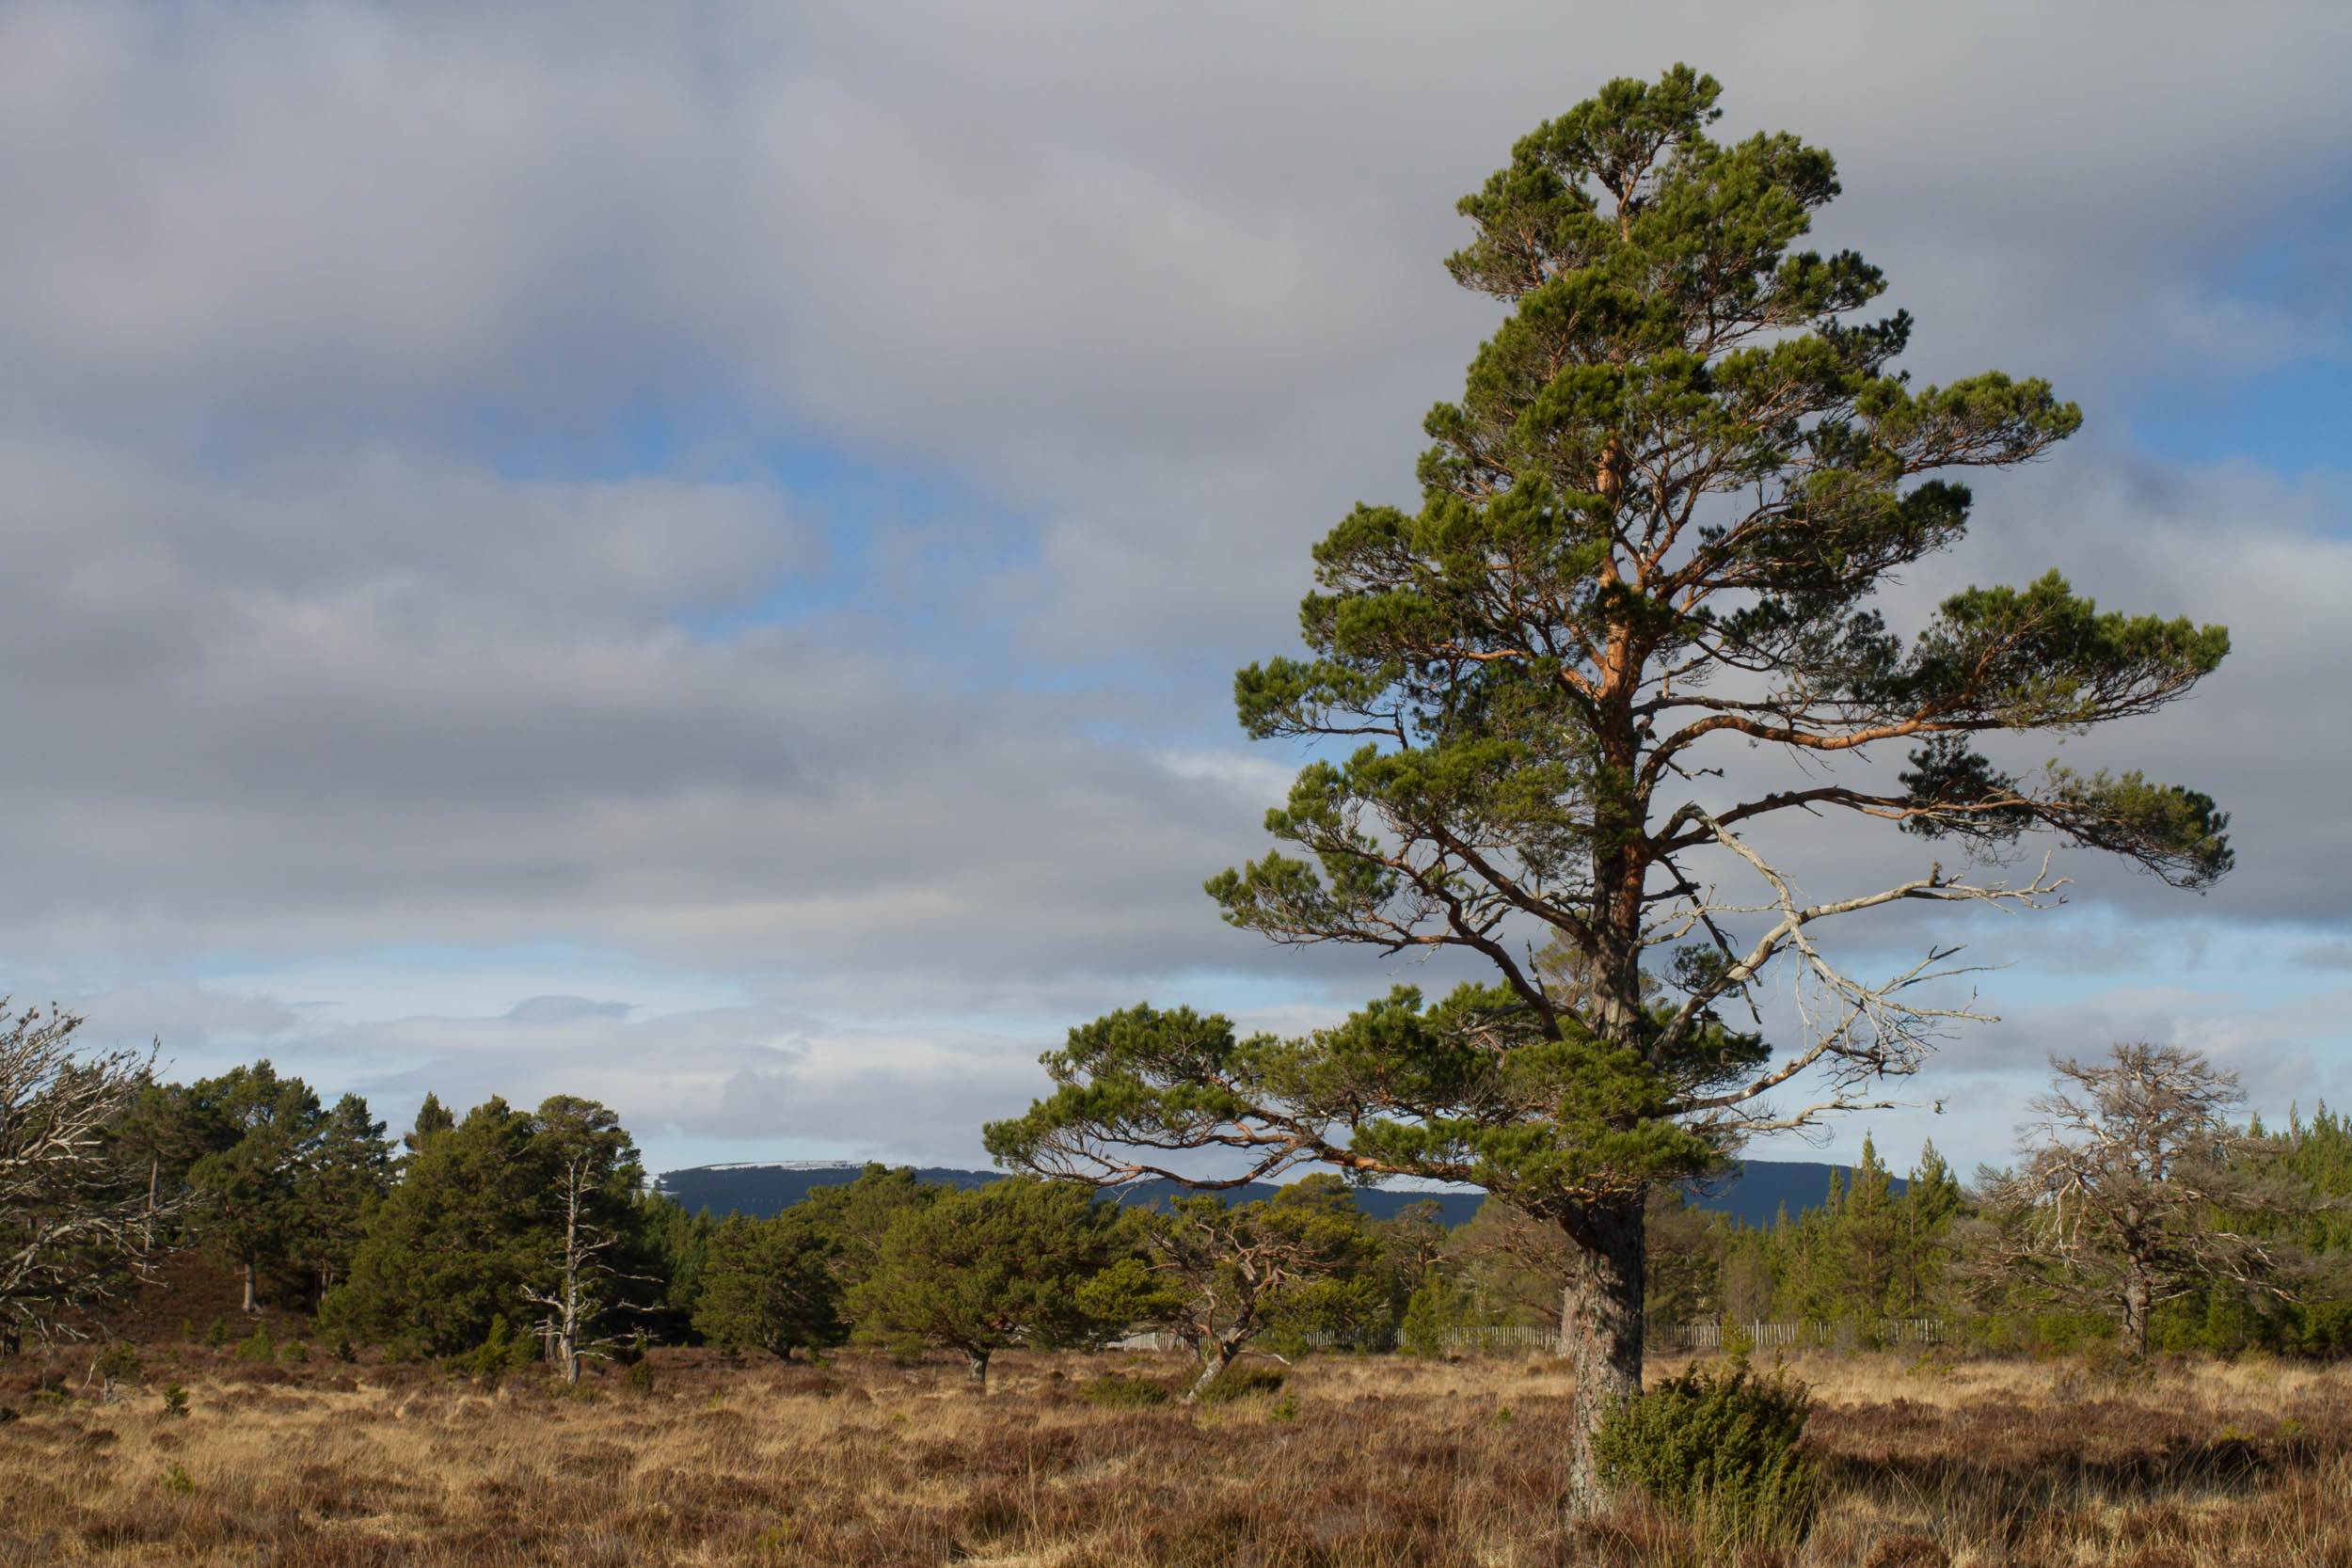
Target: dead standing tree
580,1296
593,1173
1650,537
76,1226
2133,1190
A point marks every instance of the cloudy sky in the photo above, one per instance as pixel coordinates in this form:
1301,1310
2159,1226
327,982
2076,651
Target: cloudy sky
694,553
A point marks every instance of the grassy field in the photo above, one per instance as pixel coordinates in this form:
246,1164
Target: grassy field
1372,1462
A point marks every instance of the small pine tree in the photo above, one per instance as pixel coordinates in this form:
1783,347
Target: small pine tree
118,1363
1441,1305
498,1350
1869,1236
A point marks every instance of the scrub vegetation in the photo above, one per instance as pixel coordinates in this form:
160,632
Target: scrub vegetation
1352,1460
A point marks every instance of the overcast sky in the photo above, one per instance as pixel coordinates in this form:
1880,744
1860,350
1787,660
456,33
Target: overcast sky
694,554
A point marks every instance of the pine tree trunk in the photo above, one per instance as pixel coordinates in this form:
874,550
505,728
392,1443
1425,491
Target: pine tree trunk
1601,1328
1219,1355
2136,1304
976,1371
252,1299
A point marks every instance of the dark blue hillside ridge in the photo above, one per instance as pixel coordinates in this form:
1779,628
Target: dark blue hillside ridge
1759,1190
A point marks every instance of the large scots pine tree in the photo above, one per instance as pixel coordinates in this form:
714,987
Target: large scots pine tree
1641,576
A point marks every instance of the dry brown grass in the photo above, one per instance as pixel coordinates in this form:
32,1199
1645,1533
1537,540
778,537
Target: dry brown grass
1382,1463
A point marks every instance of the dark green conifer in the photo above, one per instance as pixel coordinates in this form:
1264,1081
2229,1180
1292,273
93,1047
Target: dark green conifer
773,1284
999,1265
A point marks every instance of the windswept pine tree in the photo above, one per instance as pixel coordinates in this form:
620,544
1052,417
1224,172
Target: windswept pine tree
1545,703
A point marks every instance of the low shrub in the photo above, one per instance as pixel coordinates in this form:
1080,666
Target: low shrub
1242,1383
1720,1449
257,1346
1118,1390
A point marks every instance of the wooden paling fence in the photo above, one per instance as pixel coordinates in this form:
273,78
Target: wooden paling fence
1845,1334
1707,1336
1664,1339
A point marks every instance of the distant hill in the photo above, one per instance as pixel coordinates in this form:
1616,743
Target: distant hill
1755,1194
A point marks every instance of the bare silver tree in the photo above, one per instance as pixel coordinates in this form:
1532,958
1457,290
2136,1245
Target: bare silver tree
580,1296
2133,1190
76,1228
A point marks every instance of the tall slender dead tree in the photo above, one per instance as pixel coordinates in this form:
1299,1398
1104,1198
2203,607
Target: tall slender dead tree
577,1282
574,1301
1642,573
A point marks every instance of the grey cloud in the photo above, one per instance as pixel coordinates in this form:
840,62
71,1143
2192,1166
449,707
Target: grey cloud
684,1081
1170,278
182,1018
442,721
564,1009
302,291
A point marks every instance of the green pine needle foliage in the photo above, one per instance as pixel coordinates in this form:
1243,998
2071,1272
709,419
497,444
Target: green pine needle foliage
1120,1391
1242,1383
119,1363
1721,1449
500,1350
